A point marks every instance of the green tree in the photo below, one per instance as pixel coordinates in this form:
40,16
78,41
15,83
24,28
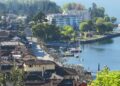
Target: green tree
46,32
31,7
91,25
73,6
84,27
101,28
109,26
40,17
1,79
68,32
17,77
107,18
39,31
96,11
107,78
113,19
100,12
52,32
100,20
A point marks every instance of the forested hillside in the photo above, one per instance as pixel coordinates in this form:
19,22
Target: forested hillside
29,6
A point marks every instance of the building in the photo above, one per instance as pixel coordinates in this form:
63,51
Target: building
5,55
72,18
7,35
4,35
5,66
67,73
47,73
38,65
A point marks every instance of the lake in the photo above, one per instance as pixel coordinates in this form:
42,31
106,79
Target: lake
104,53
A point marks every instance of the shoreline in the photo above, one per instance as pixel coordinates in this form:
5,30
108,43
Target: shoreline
58,44
100,39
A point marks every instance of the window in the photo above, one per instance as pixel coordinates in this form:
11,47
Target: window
30,65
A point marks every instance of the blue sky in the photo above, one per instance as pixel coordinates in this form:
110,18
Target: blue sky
112,6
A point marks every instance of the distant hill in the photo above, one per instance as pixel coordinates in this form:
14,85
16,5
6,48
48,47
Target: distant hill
30,6
22,1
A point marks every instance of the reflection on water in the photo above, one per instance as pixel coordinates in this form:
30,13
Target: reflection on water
98,46
98,49
106,52
108,41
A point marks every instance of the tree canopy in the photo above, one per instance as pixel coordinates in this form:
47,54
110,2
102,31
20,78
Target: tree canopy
73,6
109,26
107,78
46,32
1,78
17,77
113,19
30,7
100,20
68,33
86,26
39,17
96,11
107,18
103,26
67,30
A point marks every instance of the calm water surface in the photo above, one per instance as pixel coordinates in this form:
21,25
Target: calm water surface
103,53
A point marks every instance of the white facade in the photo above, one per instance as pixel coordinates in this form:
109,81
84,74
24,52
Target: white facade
72,18
38,68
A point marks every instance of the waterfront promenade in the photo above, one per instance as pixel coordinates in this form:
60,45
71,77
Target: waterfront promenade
100,38
86,41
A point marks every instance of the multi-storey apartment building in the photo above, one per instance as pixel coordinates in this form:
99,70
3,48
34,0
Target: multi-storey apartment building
72,18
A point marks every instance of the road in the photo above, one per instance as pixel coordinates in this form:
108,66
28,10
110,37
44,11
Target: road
36,48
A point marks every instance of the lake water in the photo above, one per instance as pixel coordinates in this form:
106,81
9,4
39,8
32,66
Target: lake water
103,53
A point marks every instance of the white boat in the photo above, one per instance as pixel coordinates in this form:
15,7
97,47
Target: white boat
72,52
75,50
68,54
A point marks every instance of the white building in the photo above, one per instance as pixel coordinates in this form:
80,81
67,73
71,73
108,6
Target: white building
38,65
72,18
